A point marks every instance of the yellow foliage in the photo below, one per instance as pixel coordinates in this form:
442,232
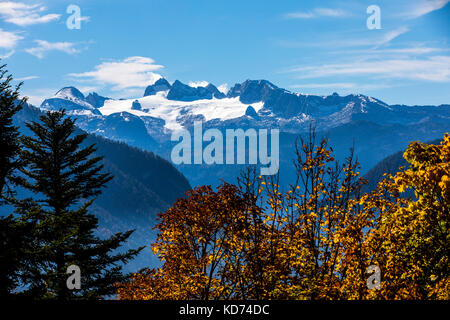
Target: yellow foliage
314,241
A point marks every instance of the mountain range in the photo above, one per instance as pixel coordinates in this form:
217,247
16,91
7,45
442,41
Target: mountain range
372,127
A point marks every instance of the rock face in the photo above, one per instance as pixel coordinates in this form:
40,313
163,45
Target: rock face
95,100
251,91
160,85
136,105
251,112
183,92
215,92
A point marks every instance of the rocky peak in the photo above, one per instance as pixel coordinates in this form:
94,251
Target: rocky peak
160,85
251,91
183,92
96,100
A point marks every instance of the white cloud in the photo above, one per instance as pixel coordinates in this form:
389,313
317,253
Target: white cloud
419,50
8,39
348,86
26,78
87,89
391,35
23,14
44,46
7,55
299,15
435,68
345,85
375,41
196,84
132,72
316,13
424,7
36,100
36,96
85,19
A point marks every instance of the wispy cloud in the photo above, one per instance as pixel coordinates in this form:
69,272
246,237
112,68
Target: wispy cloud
397,51
8,39
7,55
377,41
36,96
391,35
424,7
87,89
44,46
23,14
435,68
316,13
26,78
347,86
132,72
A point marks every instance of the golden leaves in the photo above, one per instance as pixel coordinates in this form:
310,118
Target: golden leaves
313,241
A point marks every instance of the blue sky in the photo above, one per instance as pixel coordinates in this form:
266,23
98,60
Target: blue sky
304,46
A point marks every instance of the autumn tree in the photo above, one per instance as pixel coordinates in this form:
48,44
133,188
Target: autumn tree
320,221
256,241
411,240
314,240
193,240
213,245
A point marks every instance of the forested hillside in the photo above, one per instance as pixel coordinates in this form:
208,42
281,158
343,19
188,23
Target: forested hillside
144,184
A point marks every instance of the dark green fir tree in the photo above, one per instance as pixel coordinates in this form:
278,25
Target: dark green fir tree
10,104
66,178
11,240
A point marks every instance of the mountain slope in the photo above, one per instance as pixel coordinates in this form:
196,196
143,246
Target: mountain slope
144,184
389,165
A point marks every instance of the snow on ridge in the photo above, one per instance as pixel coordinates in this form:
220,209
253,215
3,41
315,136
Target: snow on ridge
159,106
66,94
223,88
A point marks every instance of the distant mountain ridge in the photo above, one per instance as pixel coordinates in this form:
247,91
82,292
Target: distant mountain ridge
389,165
280,108
147,122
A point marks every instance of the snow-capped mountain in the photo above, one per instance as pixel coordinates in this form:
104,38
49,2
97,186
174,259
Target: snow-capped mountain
256,103
71,99
148,121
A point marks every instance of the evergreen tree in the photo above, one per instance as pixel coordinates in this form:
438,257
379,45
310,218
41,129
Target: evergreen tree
10,104
66,179
10,241
11,236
